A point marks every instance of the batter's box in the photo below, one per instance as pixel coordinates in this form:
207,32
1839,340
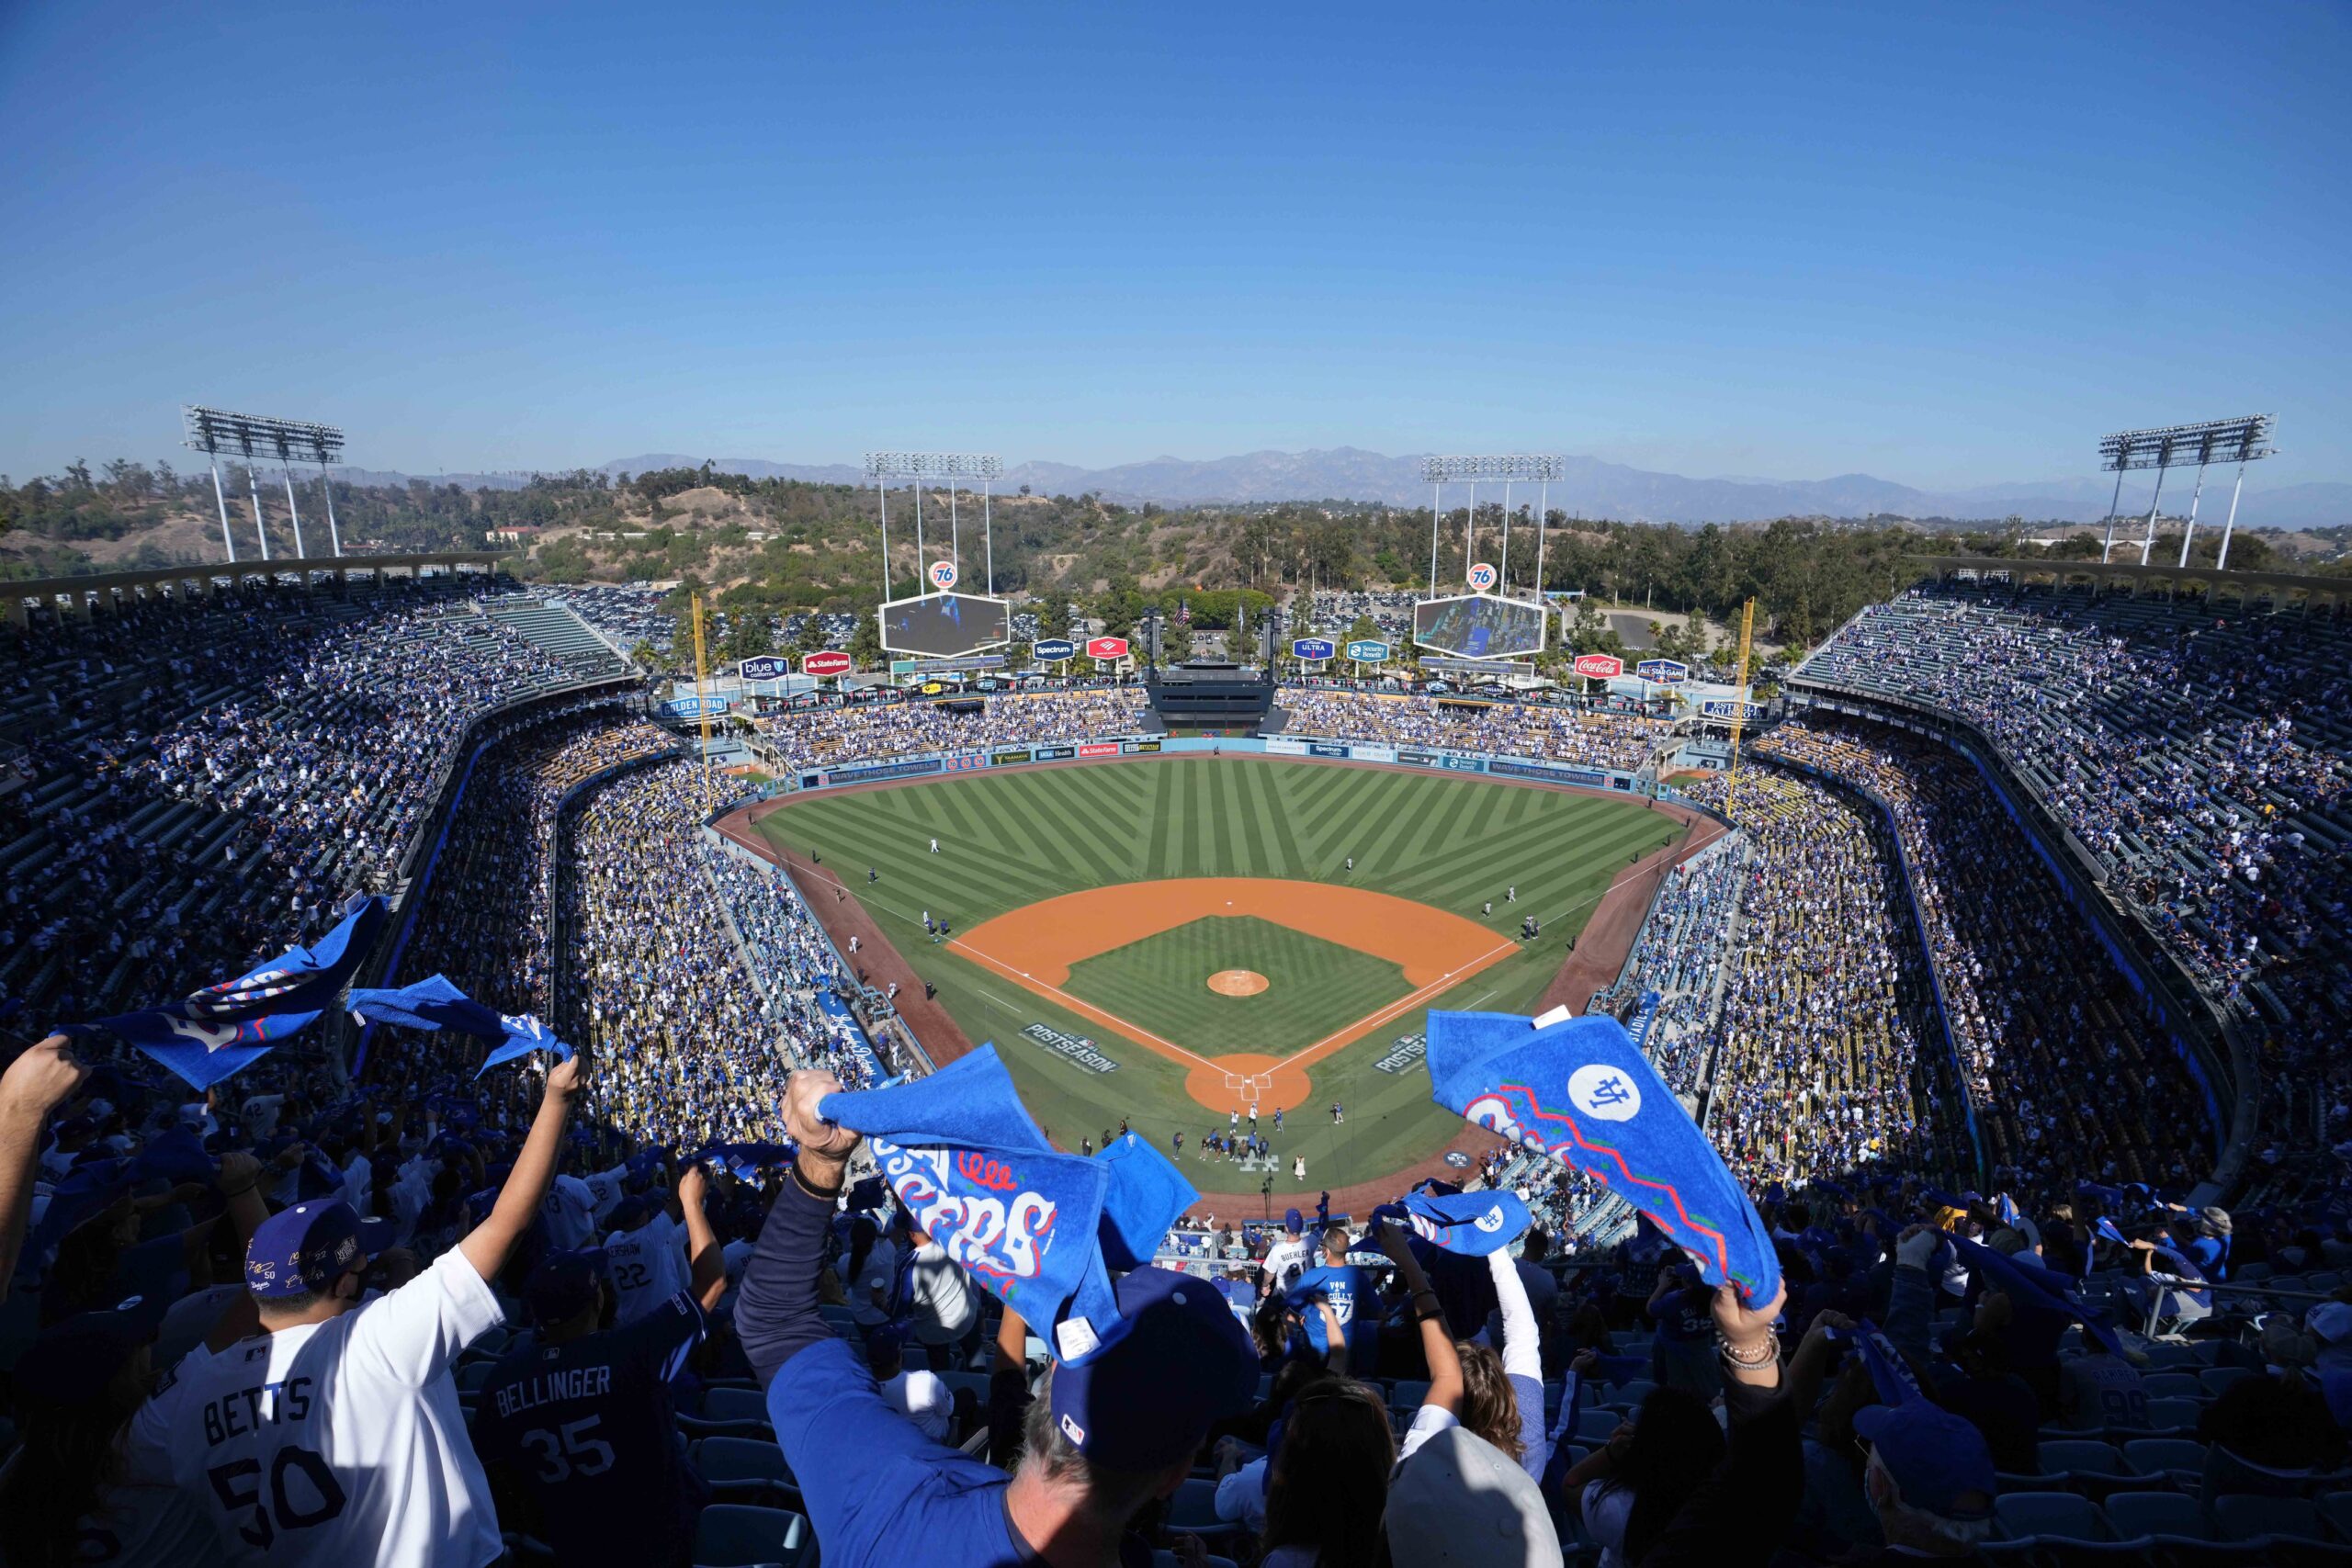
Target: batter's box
1249,1088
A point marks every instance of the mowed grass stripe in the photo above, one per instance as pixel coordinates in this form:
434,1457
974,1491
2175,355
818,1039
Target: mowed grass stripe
1163,813
1083,842
1571,837
978,875
1332,811
1255,827
1014,829
1266,797
1389,823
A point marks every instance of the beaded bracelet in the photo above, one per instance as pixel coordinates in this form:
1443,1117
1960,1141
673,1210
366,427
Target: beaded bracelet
1771,1354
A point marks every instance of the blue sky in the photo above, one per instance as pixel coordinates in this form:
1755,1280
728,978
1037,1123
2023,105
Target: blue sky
1942,245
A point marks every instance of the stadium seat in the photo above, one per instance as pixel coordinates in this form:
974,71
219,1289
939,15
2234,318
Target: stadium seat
734,1404
2164,1358
1597,1426
2244,1518
724,1459
2174,1415
1407,1394
731,1535
2217,1380
1193,1511
2135,1515
2174,1457
1163,1558
976,1381
2336,1508
2053,1516
2172,1385
472,1375
2088,1467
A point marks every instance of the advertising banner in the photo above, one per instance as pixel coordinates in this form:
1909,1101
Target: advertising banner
1006,759
1055,753
1368,652
1421,758
962,762
1052,649
1106,647
1135,745
828,661
882,771
767,667
1324,749
1099,749
1285,746
1076,1049
1725,707
1584,776
1600,666
1374,753
1311,648
1666,672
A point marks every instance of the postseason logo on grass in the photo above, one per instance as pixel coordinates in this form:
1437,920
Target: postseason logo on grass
1409,1050
1075,1048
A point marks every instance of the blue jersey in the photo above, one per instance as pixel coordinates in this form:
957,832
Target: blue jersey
586,1429
1354,1302
880,1494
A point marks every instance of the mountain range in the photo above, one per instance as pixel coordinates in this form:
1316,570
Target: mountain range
1591,488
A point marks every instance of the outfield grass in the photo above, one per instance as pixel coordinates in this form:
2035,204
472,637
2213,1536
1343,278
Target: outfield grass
1013,837
1162,980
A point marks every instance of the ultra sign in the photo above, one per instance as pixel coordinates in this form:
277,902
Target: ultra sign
1311,648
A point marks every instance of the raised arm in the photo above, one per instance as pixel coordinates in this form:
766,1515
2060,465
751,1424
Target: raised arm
1437,1340
489,1245
775,1312
36,1083
708,1263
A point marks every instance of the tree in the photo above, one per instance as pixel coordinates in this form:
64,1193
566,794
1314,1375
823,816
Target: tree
865,643
749,634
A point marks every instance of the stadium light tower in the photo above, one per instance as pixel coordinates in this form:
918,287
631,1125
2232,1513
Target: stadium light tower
2241,441
215,431
1540,468
884,466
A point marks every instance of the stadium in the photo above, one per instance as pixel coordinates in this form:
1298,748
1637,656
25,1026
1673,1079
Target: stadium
1135,787
1869,956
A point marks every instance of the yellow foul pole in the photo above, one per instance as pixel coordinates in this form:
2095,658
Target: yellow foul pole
702,701
1739,712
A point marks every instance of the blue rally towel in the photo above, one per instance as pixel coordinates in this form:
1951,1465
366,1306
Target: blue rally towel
435,1003
207,1036
2040,1289
962,1154
1890,1375
1470,1223
1578,1091
1147,1194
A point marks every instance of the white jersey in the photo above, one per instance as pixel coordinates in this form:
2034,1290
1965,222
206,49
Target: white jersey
605,1189
647,1267
340,1443
1285,1261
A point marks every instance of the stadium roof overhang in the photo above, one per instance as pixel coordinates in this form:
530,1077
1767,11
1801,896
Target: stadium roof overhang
2277,584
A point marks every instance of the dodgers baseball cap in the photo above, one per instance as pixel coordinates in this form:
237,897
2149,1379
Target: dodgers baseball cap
72,1360
1938,1461
1292,1221
563,1285
304,1248
1177,1361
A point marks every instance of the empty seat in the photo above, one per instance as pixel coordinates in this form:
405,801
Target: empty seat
2079,1456
2051,1516
1408,1394
1193,1511
1597,1426
2217,1380
2174,1415
2135,1515
734,1535
724,1459
2164,1456
734,1404
2242,1518
2172,1385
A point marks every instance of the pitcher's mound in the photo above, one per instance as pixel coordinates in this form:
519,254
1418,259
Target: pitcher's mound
1236,982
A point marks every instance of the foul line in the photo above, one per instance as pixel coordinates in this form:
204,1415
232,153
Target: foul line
1141,1036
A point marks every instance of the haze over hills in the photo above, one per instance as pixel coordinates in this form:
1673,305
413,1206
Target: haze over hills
1592,488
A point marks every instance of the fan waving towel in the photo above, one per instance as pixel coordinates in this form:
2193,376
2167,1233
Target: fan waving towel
213,1034
1470,1223
1579,1092
435,1003
962,1154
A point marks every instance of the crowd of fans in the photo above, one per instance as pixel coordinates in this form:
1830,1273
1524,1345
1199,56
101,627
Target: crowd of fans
179,756
1815,1067
2202,755
826,737
1622,741
2063,1071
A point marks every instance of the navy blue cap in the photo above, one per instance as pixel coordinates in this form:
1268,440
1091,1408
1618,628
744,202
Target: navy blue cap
74,1360
304,1248
563,1285
87,1191
627,1214
1177,1361
1938,1461
1292,1221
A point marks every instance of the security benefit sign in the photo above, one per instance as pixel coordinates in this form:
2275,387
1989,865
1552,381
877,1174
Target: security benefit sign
1480,625
943,625
1076,1049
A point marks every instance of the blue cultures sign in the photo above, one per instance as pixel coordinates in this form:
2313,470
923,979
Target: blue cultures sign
767,667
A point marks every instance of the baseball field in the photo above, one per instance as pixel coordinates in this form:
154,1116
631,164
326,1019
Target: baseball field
1169,942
